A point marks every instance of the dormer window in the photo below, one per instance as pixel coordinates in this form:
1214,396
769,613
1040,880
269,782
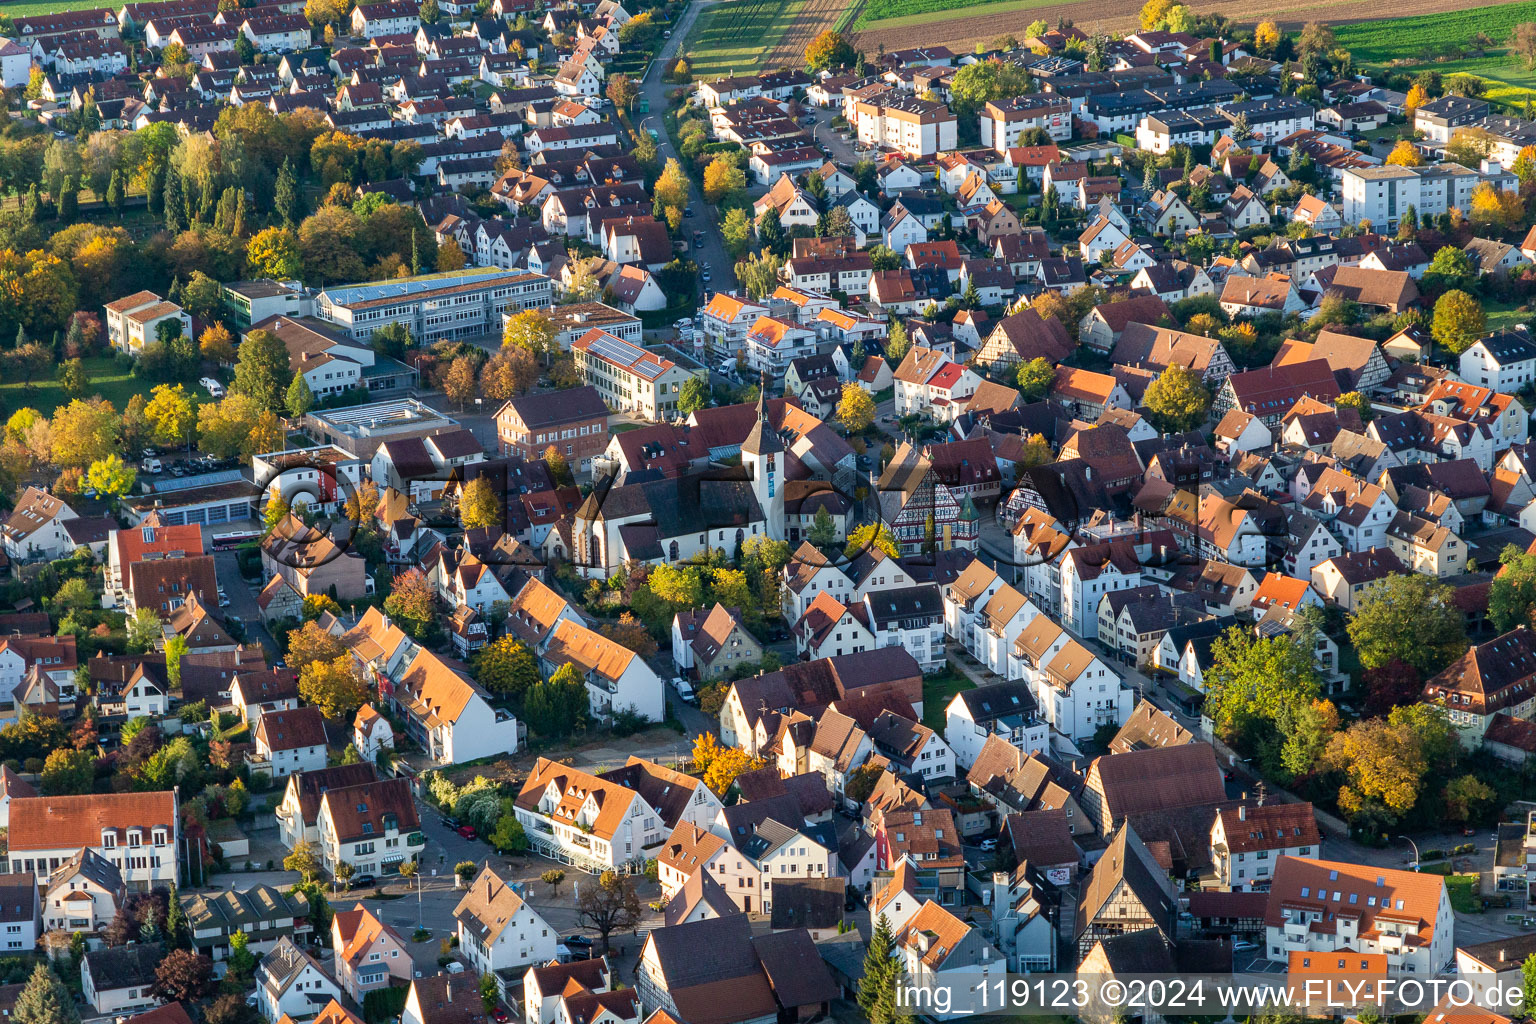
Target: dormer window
108,839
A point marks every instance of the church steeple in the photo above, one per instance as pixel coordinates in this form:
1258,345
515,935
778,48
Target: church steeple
762,439
762,454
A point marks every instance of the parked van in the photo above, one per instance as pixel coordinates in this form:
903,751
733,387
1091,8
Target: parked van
213,387
152,466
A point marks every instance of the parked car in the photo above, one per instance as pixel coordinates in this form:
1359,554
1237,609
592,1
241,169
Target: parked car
988,844
362,882
500,1016
467,831
213,387
684,689
224,601
455,967
152,466
576,942
451,824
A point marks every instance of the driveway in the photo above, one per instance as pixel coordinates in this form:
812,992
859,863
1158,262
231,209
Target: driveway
242,598
705,218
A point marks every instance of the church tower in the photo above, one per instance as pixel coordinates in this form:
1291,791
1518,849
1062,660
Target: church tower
762,453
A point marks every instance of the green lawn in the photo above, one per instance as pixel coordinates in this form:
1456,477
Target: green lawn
1465,897
903,13
1439,42
735,36
1502,316
938,690
107,380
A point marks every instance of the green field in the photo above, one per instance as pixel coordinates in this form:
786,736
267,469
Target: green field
901,13
107,381
736,36
30,10
1437,42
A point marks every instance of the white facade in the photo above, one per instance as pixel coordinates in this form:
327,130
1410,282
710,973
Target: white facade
1383,194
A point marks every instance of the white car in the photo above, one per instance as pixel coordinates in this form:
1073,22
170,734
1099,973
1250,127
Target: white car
223,598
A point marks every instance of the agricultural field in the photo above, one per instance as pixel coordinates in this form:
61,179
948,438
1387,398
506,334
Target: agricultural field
814,17
30,10
960,26
740,36
1453,43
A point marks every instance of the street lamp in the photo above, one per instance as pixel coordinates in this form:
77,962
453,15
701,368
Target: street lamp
1415,851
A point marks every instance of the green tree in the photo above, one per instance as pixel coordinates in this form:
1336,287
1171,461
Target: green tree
1035,378
1467,797
261,368
823,532
1178,399
883,972
509,836
175,648
1528,980
693,396
736,231
1358,402
829,50
68,773
983,82
44,1000
1458,321
1257,681
143,628
1410,618
1512,594
300,398
241,961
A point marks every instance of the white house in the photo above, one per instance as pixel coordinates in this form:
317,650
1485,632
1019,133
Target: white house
1505,362
608,821
1006,710
373,826
290,741
617,679
498,930
139,833
371,733
291,983
450,715
35,527
1403,914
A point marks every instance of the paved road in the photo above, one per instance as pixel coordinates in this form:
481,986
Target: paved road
705,218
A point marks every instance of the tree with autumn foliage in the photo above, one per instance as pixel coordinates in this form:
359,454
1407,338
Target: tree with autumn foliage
1458,322
183,975
630,632
1405,154
410,603
729,763
829,50
855,408
1266,37
335,687
1416,98
312,643
1495,207
480,507
1385,761
871,536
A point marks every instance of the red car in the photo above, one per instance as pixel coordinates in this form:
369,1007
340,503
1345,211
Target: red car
500,1016
467,831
